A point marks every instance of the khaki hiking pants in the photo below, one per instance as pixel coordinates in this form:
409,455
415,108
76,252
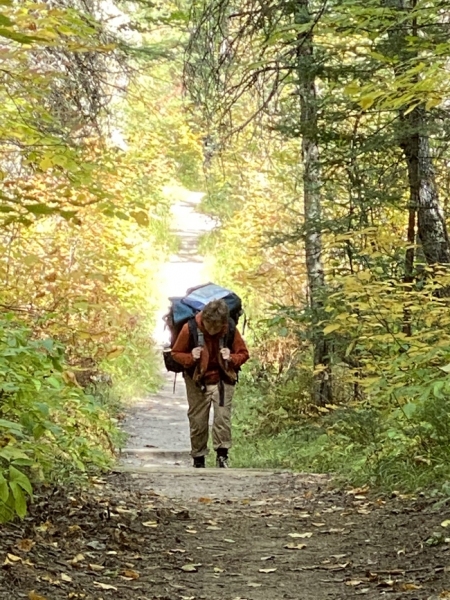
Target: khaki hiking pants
199,406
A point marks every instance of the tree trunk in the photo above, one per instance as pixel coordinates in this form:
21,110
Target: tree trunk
431,226
306,88
415,143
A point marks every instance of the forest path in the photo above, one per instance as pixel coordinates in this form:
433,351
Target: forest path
167,533
157,426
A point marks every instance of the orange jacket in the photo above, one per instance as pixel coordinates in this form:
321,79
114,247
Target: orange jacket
211,364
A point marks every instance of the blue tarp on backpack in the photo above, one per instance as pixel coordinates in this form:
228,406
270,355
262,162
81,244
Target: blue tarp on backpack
199,297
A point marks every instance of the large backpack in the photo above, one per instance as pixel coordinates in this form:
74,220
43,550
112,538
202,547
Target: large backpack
183,310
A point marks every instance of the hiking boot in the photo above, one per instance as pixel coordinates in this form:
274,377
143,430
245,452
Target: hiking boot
222,458
199,462
222,462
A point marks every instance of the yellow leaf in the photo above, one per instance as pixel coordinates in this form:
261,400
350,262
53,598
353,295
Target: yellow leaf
33,596
46,163
115,351
190,568
331,327
152,524
104,586
295,546
13,558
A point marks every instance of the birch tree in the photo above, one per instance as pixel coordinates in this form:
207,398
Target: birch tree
263,53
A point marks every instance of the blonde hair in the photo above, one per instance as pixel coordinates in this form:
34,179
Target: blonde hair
216,311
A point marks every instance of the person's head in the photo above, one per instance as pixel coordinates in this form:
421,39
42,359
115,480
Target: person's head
215,316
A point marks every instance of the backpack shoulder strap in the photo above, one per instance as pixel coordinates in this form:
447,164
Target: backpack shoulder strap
229,337
196,337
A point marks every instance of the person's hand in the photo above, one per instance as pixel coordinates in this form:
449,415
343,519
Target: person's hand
225,352
196,352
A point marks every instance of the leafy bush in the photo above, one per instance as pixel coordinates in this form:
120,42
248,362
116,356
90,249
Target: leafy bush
49,427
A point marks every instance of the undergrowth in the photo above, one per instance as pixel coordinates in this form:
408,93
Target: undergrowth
359,444
51,430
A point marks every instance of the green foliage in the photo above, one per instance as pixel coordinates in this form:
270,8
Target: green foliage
48,425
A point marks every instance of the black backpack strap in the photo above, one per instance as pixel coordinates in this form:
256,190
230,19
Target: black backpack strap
193,333
196,337
229,337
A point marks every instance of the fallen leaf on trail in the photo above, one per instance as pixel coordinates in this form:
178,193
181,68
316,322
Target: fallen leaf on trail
229,541
406,587
130,574
96,545
267,570
66,578
33,596
205,500
13,558
361,490
44,527
94,567
191,568
353,582
50,580
74,529
25,545
295,546
337,567
300,535
76,559
124,511
332,530
104,586
150,524
387,583
254,585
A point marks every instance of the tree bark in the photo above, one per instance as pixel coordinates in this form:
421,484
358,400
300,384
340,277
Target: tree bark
431,226
306,88
415,143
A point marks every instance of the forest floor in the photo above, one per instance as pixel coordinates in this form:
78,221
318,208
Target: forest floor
157,529
172,533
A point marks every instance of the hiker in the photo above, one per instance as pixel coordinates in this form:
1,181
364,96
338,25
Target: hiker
211,363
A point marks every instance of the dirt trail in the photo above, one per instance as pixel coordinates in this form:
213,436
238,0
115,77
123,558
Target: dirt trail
157,426
178,534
